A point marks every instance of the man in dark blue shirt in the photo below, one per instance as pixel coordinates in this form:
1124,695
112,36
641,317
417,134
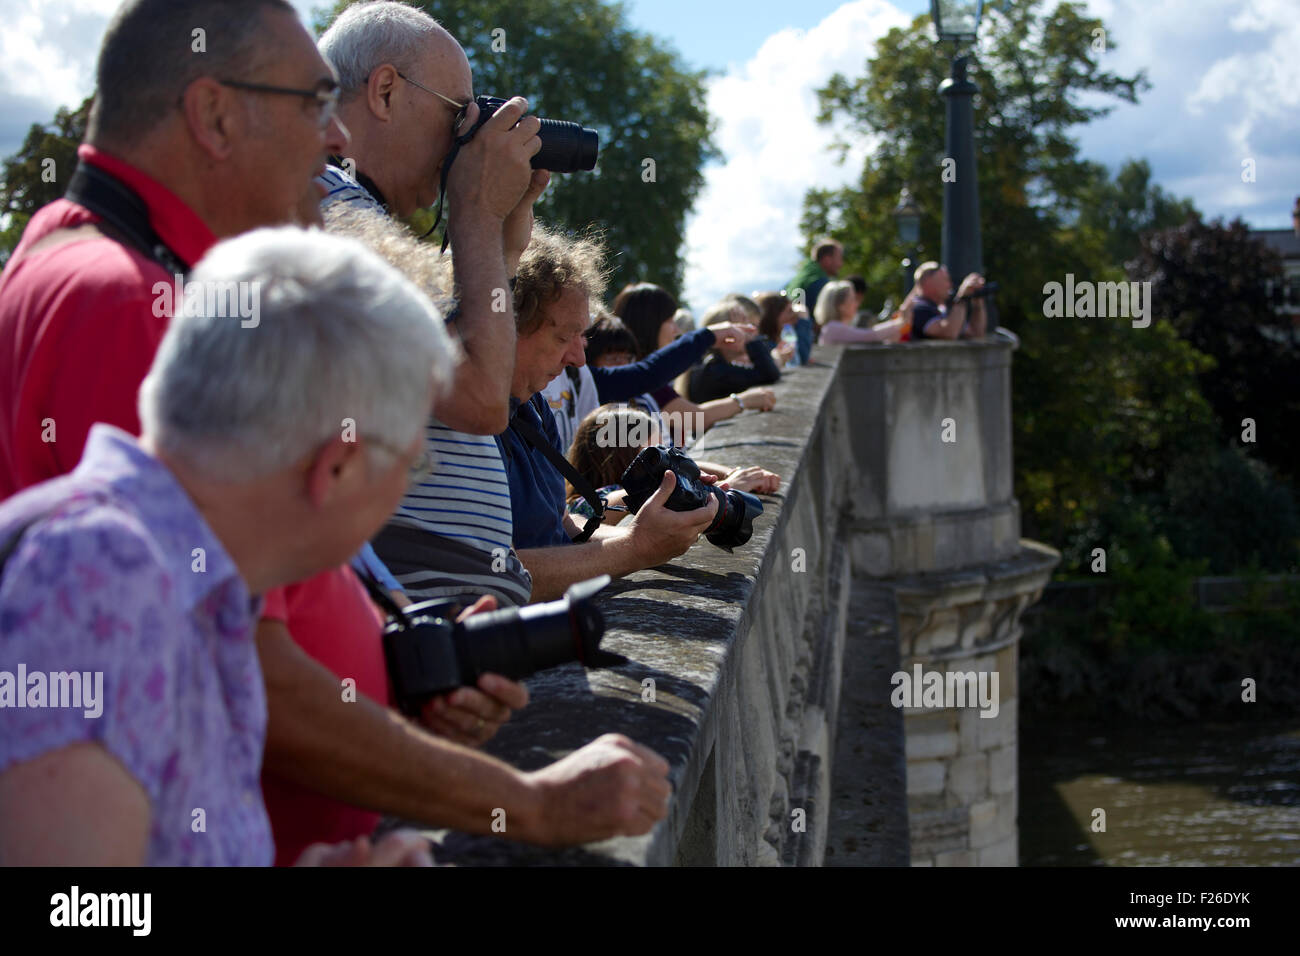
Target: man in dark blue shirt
558,280
933,319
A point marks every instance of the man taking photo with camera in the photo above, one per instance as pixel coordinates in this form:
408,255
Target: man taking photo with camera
932,318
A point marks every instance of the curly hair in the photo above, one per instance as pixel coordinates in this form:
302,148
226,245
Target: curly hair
555,261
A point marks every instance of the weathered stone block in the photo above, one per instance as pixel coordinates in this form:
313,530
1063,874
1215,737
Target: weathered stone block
1002,770
998,731
930,746
926,776
968,778
1002,853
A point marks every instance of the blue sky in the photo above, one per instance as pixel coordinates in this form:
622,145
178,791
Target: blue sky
715,33
1225,91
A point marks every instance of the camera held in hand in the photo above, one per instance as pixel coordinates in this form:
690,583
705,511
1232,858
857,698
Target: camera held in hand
428,653
734,523
988,288
566,147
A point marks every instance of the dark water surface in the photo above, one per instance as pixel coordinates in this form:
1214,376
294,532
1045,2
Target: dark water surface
1174,795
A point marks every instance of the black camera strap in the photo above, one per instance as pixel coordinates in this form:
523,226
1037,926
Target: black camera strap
379,595
124,213
529,433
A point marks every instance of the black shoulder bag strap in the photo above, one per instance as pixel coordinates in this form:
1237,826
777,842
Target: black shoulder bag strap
125,213
529,433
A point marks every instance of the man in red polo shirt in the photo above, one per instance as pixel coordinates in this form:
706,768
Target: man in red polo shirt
79,314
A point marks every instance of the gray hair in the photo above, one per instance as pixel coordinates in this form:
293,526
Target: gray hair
339,337
684,321
148,58
367,35
832,297
419,261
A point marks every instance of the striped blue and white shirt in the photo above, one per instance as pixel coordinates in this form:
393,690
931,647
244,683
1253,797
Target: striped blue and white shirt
340,186
467,497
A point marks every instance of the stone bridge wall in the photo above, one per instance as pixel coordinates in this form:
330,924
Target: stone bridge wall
885,540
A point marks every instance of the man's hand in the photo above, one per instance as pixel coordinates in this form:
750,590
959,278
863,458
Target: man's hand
755,479
611,787
659,535
972,283
493,170
518,228
761,398
472,717
399,848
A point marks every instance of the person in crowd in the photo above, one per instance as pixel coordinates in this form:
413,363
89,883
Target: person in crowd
826,262
197,140
860,316
647,310
450,538
141,566
684,321
776,315
578,391
405,87
560,279
732,368
836,308
931,315
606,443
609,342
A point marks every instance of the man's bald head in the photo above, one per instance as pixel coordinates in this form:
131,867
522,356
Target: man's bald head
367,35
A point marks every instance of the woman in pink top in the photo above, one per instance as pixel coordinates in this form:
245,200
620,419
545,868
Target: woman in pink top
836,307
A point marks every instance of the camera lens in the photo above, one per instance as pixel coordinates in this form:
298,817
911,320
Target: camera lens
566,147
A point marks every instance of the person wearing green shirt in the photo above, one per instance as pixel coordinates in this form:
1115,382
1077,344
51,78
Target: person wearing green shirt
827,260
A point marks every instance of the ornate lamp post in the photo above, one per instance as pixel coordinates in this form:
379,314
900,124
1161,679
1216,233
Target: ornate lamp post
908,217
957,21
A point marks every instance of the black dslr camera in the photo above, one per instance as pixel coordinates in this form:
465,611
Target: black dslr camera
987,289
428,653
734,523
566,147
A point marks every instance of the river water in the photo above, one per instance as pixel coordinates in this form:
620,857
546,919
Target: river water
1173,795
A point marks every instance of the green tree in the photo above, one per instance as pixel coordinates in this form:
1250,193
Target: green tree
1209,280
30,181
1100,409
579,60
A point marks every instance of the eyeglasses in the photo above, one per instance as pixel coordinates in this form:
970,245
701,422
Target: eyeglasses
460,107
326,97
423,465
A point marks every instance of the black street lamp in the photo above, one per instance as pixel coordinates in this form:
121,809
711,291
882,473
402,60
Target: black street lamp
957,21
908,217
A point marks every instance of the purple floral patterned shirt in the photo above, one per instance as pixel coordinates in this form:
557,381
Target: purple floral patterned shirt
118,573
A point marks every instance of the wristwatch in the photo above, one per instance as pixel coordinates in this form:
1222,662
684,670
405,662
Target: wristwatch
736,398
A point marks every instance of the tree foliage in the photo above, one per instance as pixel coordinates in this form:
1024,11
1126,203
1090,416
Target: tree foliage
1102,411
26,187
579,60
1209,280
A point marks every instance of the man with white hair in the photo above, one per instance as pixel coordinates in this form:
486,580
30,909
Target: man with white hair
269,452
405,90
141,566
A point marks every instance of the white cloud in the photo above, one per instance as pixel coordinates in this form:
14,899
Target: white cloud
744,234
47,49
1225,86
